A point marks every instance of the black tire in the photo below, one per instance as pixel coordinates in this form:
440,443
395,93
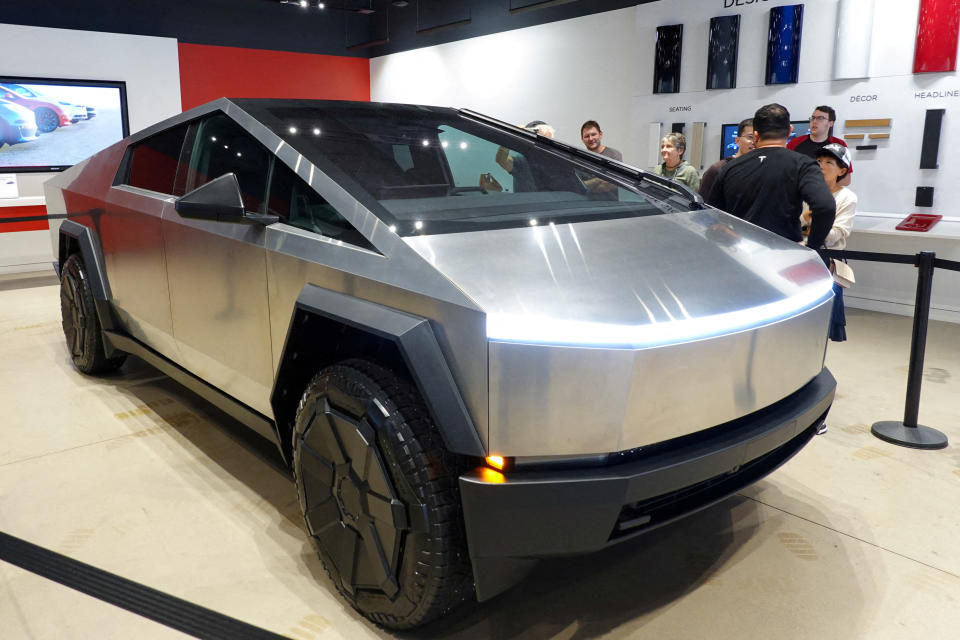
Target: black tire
379,495
81,325
47,119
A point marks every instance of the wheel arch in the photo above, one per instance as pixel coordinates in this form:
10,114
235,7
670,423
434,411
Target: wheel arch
404,342
77,238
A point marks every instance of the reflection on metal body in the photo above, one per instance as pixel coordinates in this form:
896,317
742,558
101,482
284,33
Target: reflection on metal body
132,240
548,400
297,257
632,271
218,299
571,398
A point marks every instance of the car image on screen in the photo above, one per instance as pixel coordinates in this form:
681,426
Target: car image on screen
17,124
474,346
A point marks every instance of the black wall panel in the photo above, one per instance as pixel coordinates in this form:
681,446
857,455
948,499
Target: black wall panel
666,59
931,139
723,42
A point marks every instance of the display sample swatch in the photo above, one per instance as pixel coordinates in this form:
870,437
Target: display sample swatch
783,44
722,47
937,30
851,55
931,139
666,59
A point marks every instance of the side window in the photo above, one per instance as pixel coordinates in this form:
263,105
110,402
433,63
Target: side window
221,146
152,163
299,205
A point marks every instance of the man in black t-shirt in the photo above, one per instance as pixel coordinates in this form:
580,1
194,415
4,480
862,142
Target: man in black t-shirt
769,185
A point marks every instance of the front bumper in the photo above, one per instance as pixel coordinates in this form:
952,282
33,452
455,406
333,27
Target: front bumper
514,518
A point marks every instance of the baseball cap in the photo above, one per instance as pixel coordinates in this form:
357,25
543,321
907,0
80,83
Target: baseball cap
534,123
838,152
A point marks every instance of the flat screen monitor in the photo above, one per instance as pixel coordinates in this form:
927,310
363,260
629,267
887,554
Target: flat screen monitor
50,125
800,128
728,140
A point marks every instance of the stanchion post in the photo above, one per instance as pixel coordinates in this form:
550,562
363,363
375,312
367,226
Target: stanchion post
909,433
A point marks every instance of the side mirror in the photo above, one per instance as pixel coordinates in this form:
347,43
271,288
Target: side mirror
219,200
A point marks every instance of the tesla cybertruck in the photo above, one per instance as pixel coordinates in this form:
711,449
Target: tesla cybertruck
474,346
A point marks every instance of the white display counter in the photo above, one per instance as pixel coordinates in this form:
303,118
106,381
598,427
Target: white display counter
891,288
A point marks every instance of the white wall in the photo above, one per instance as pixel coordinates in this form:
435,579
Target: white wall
149,66
563,73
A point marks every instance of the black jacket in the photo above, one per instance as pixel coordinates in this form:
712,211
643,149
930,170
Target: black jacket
768,187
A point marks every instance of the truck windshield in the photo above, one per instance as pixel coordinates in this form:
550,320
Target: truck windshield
435,171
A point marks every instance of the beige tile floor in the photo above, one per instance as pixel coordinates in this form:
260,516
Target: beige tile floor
853,538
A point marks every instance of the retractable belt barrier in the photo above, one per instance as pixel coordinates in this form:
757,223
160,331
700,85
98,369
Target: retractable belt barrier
168,610
908,432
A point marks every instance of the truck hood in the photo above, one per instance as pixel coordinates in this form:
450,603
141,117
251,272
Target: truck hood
632,282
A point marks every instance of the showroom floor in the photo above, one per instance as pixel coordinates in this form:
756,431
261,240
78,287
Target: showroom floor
132,474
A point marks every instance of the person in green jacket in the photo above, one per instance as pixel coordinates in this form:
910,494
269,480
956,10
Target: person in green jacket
674,167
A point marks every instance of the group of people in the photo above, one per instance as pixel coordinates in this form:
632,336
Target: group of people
797,189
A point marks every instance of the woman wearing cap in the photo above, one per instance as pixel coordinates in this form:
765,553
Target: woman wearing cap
834,161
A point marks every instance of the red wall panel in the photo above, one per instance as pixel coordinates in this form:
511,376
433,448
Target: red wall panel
23,212
937,31
209,72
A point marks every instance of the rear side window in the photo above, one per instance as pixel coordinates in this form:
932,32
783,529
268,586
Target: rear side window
222,146
300,206
152,163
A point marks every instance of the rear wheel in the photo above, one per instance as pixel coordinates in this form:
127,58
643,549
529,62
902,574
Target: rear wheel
47,119
81,325
379,495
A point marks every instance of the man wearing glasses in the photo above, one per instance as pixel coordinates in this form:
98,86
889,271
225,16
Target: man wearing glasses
821,124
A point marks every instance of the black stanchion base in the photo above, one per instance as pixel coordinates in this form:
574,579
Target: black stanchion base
919,437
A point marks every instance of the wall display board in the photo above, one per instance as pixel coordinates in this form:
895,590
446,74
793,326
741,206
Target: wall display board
50,125
783,44
851,58
666,59
937,30
722,48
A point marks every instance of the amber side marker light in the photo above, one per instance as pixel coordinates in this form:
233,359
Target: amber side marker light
497,462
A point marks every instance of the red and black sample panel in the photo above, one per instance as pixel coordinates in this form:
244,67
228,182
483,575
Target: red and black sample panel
937,30
23,212
210,72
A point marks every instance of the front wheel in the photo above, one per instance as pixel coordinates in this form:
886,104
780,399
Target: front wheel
81,325
379,495
47,119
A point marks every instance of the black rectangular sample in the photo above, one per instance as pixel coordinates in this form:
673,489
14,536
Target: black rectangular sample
931,139
924,197
783,44
437,14
722,47
866,147
666,59
677,127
